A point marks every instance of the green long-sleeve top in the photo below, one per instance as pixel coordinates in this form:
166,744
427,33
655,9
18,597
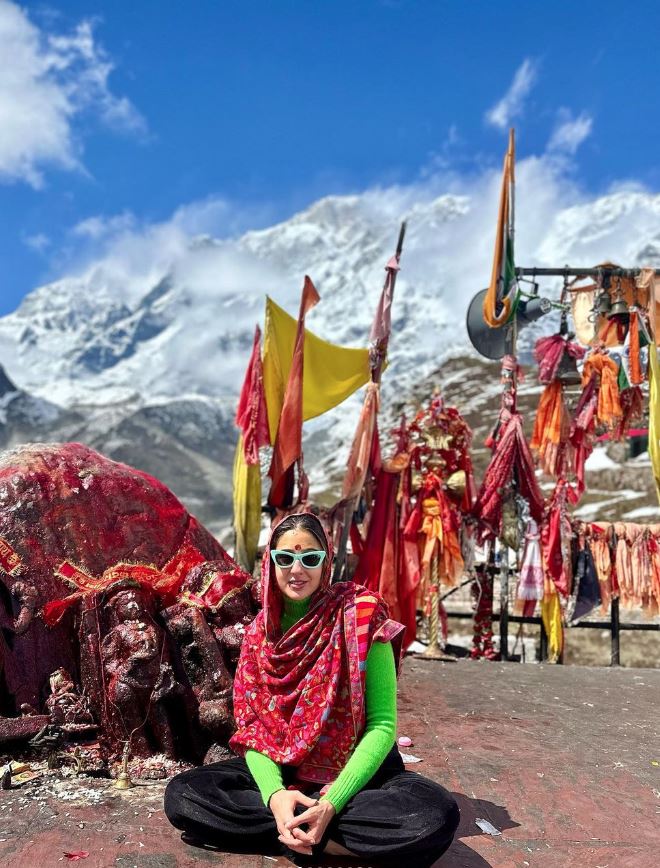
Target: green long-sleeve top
380,728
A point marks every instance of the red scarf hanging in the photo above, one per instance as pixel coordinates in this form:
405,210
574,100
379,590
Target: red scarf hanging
583,429
299,697
549,352
556,537
511,459
511,463
632,407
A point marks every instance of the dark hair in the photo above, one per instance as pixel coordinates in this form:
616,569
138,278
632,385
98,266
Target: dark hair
300,521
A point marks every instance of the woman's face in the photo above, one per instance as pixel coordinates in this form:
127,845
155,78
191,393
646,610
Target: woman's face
298,582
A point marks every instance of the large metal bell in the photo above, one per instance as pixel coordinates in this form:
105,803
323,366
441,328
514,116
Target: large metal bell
604,303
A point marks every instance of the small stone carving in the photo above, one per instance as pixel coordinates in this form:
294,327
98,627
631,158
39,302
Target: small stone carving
65,704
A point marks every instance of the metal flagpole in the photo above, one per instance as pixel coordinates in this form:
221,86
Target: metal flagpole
376,372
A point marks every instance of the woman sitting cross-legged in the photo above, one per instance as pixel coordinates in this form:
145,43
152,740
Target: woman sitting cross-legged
315,708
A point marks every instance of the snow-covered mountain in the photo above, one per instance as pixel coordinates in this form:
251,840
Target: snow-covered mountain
186,327
147,367
191,330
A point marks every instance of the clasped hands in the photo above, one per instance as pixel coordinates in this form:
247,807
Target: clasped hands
316,817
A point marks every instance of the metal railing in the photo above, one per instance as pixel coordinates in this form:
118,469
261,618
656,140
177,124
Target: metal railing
614,625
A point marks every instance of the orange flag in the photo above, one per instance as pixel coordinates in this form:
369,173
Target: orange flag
288,443
501,299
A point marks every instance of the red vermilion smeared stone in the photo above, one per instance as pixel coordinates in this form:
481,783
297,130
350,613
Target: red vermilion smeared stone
67,511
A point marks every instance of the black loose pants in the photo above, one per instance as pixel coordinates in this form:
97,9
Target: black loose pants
399,815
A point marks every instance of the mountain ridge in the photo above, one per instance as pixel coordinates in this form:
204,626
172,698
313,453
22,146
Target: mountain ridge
147,368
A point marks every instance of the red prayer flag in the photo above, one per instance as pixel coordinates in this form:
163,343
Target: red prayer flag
251,415
288,442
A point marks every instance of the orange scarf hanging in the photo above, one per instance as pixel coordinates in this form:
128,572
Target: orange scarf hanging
551,429
600,551
439,529
623,562
609,410
636,376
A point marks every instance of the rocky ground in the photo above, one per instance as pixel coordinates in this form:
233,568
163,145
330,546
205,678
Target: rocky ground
559,765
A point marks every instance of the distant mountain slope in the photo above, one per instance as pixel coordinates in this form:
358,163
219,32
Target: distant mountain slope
148,370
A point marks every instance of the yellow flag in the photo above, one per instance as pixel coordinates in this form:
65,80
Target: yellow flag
551,617
247,508
330,374
646,280
654,415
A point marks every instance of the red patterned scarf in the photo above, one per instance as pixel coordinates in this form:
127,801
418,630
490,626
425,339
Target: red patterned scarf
299,697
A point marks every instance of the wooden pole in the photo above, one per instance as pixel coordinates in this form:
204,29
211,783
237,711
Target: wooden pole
349,508
504,604
434,649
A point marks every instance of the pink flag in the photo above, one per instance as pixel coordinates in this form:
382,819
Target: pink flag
382,324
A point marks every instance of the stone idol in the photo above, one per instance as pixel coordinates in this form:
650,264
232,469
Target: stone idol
121,617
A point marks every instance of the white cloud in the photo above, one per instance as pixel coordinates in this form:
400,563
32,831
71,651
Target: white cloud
39,242
451,210
47,82
211,291
99,227
126,256
511,104
219,217
570,132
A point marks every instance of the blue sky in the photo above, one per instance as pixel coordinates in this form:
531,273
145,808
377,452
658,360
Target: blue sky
121,114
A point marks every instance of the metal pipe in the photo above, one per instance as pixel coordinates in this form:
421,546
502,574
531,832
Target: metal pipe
639,626
607,625
543,643
340,558
579,272
614,614
350,506
522,619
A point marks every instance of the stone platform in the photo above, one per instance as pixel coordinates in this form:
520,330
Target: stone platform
563,761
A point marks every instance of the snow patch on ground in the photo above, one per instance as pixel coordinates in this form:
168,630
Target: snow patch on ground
599,460
642,512
590,510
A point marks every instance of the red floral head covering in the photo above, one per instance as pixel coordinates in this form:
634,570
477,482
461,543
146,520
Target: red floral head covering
299,696
271,596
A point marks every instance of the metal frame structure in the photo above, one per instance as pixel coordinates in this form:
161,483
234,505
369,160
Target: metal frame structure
567,271
603,274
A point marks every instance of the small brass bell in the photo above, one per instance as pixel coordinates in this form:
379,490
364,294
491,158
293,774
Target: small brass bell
124,781
618,309
567,371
